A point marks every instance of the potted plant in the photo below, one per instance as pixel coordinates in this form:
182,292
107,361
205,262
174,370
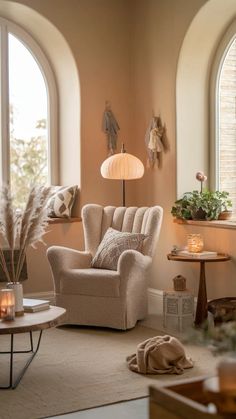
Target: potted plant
18,231
203,205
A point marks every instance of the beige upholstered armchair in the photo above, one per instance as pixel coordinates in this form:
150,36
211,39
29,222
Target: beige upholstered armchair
102,297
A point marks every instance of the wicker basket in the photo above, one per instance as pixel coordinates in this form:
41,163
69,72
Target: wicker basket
179,283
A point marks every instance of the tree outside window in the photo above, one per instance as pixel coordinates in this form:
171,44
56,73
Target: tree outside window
27,122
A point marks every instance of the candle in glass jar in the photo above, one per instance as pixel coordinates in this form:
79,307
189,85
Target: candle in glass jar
7,304
194,243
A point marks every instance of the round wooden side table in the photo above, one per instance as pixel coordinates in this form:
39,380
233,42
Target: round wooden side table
29,323
201,310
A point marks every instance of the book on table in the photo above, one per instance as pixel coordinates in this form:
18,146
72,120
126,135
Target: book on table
203,254
32,305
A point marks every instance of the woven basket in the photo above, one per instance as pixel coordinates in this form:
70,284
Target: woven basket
179,283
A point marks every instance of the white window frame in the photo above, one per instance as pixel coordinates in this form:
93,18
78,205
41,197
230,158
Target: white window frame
218,61
7,27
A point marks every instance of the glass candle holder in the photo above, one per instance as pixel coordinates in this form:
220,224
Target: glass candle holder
195,243
7,304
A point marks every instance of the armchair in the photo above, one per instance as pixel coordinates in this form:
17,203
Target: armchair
102,297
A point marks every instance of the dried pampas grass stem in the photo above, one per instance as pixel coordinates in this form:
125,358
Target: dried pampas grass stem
19,231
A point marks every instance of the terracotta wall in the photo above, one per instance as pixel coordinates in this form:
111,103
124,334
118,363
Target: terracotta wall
127,52
98,34
160,28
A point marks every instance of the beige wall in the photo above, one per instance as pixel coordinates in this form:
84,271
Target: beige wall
98,35
161,29
194,83
127,52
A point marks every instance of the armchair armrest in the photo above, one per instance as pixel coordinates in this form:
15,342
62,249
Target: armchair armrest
62,258
133,268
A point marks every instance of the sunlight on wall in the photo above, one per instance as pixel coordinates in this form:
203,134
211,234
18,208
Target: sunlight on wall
192,90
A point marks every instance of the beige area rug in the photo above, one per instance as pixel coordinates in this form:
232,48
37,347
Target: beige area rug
80,368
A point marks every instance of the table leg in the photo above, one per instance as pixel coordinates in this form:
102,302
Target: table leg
201,311
33,352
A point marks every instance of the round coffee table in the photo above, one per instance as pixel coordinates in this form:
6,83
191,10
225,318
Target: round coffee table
29,323
201,310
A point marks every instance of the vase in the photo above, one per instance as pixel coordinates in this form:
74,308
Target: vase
225,215
227,373
18,292
226,397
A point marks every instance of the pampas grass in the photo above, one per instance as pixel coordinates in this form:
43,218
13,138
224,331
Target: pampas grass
20,230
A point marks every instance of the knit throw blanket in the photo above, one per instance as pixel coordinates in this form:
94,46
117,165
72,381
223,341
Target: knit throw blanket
159,355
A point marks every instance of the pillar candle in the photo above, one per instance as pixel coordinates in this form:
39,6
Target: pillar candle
7,304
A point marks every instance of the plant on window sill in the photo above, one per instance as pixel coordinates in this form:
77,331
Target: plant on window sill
203,205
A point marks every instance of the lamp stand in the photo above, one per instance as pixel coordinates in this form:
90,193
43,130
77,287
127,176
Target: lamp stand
123,181
123,191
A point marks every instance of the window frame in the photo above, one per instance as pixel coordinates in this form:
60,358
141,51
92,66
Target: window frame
217,64
7,27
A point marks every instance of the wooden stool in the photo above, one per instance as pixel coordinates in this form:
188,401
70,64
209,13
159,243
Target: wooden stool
223,309
178,305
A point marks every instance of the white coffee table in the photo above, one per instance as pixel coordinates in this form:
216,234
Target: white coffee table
28,323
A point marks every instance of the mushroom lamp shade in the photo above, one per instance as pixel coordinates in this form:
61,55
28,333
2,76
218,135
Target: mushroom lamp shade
122,166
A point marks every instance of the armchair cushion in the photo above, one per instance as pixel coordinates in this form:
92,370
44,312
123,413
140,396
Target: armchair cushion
93,282
113,244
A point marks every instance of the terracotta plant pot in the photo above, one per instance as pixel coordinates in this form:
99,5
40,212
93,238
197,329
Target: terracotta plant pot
199,214
225,215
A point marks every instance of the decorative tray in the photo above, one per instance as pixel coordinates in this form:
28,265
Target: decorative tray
183,399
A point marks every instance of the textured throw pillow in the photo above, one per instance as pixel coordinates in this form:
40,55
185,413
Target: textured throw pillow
113,244
61,202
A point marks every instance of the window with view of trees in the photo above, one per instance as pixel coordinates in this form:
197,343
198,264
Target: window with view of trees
28,122
27,93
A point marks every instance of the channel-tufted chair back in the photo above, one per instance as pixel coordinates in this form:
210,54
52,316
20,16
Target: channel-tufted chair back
97,219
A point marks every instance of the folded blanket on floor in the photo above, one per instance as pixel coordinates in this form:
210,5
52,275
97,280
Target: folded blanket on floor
159,355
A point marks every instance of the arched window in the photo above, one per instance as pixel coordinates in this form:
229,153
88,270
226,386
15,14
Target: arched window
223,106
28,113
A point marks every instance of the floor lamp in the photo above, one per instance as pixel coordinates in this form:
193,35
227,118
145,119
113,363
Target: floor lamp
122,166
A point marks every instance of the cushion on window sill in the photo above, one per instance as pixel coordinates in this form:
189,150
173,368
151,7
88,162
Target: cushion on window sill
61,202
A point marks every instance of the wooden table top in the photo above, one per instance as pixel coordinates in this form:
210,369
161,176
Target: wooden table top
220,257
30,322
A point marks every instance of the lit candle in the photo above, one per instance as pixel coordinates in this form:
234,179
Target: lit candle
7,304
194,243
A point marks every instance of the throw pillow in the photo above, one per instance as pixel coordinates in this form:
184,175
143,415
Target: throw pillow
61,202
113,244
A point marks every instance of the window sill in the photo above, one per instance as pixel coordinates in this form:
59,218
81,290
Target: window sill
64,220
230,224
